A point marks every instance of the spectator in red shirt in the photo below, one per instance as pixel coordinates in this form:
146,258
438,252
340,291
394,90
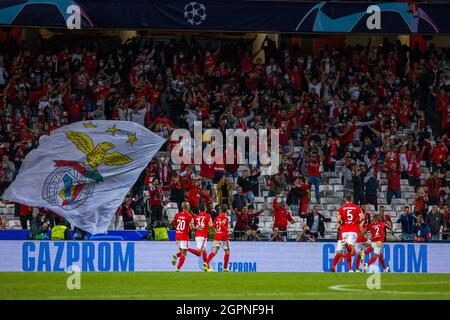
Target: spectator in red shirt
393,177
434,184
314,173
25,214
439,155
282,217
414,171
157,199
195,194
243,222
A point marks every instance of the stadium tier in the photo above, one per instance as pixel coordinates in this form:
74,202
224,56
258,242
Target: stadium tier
369,119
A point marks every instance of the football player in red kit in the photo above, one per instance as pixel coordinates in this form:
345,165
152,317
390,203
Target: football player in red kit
183,224
202,223
220,239
350,219
339,247
362,242
376,229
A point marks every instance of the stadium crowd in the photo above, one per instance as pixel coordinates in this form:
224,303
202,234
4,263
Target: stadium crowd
350,107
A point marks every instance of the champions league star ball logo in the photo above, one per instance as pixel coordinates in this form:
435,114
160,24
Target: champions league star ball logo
72,183
195,13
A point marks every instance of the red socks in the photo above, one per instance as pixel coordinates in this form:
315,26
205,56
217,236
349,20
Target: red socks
180,263
226,258
335,261
204,255
178,254
210,257
369,250
358,261
372,260
194,251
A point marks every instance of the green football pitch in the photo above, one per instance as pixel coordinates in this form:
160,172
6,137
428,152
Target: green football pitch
220,286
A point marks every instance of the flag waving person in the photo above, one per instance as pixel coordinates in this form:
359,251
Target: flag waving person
84,170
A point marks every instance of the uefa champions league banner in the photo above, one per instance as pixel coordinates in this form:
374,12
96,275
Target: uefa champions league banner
233,15
123,256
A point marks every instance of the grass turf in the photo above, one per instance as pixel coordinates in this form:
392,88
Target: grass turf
220,286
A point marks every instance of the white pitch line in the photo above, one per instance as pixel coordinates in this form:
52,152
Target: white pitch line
343,288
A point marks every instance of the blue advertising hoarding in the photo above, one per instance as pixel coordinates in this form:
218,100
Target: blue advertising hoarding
130,256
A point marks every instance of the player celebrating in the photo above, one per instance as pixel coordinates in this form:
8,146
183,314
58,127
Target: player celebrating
376,229
338,257
220,239
362,242
183,222
202,223
350,219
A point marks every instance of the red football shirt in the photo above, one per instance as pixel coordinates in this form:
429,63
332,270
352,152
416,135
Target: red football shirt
182,219
201,221
350,217
362,238
221,226
377,231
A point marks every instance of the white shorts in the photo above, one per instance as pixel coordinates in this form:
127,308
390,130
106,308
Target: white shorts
183,244
225,245
340,245
377,247
201,242
349,237
361,246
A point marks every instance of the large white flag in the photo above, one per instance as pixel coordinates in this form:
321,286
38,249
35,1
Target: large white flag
83,171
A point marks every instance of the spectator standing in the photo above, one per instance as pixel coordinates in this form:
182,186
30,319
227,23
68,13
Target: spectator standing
245,182
358,185
239,201
243,223
278,184
435,222
393,177
371,191
434,184
127,214
223,191
25,215
299,195
414,172
314,173
157,199
347,179
439,155
282,217
8,171
195,194
176,190
420,202
316,222
408,221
